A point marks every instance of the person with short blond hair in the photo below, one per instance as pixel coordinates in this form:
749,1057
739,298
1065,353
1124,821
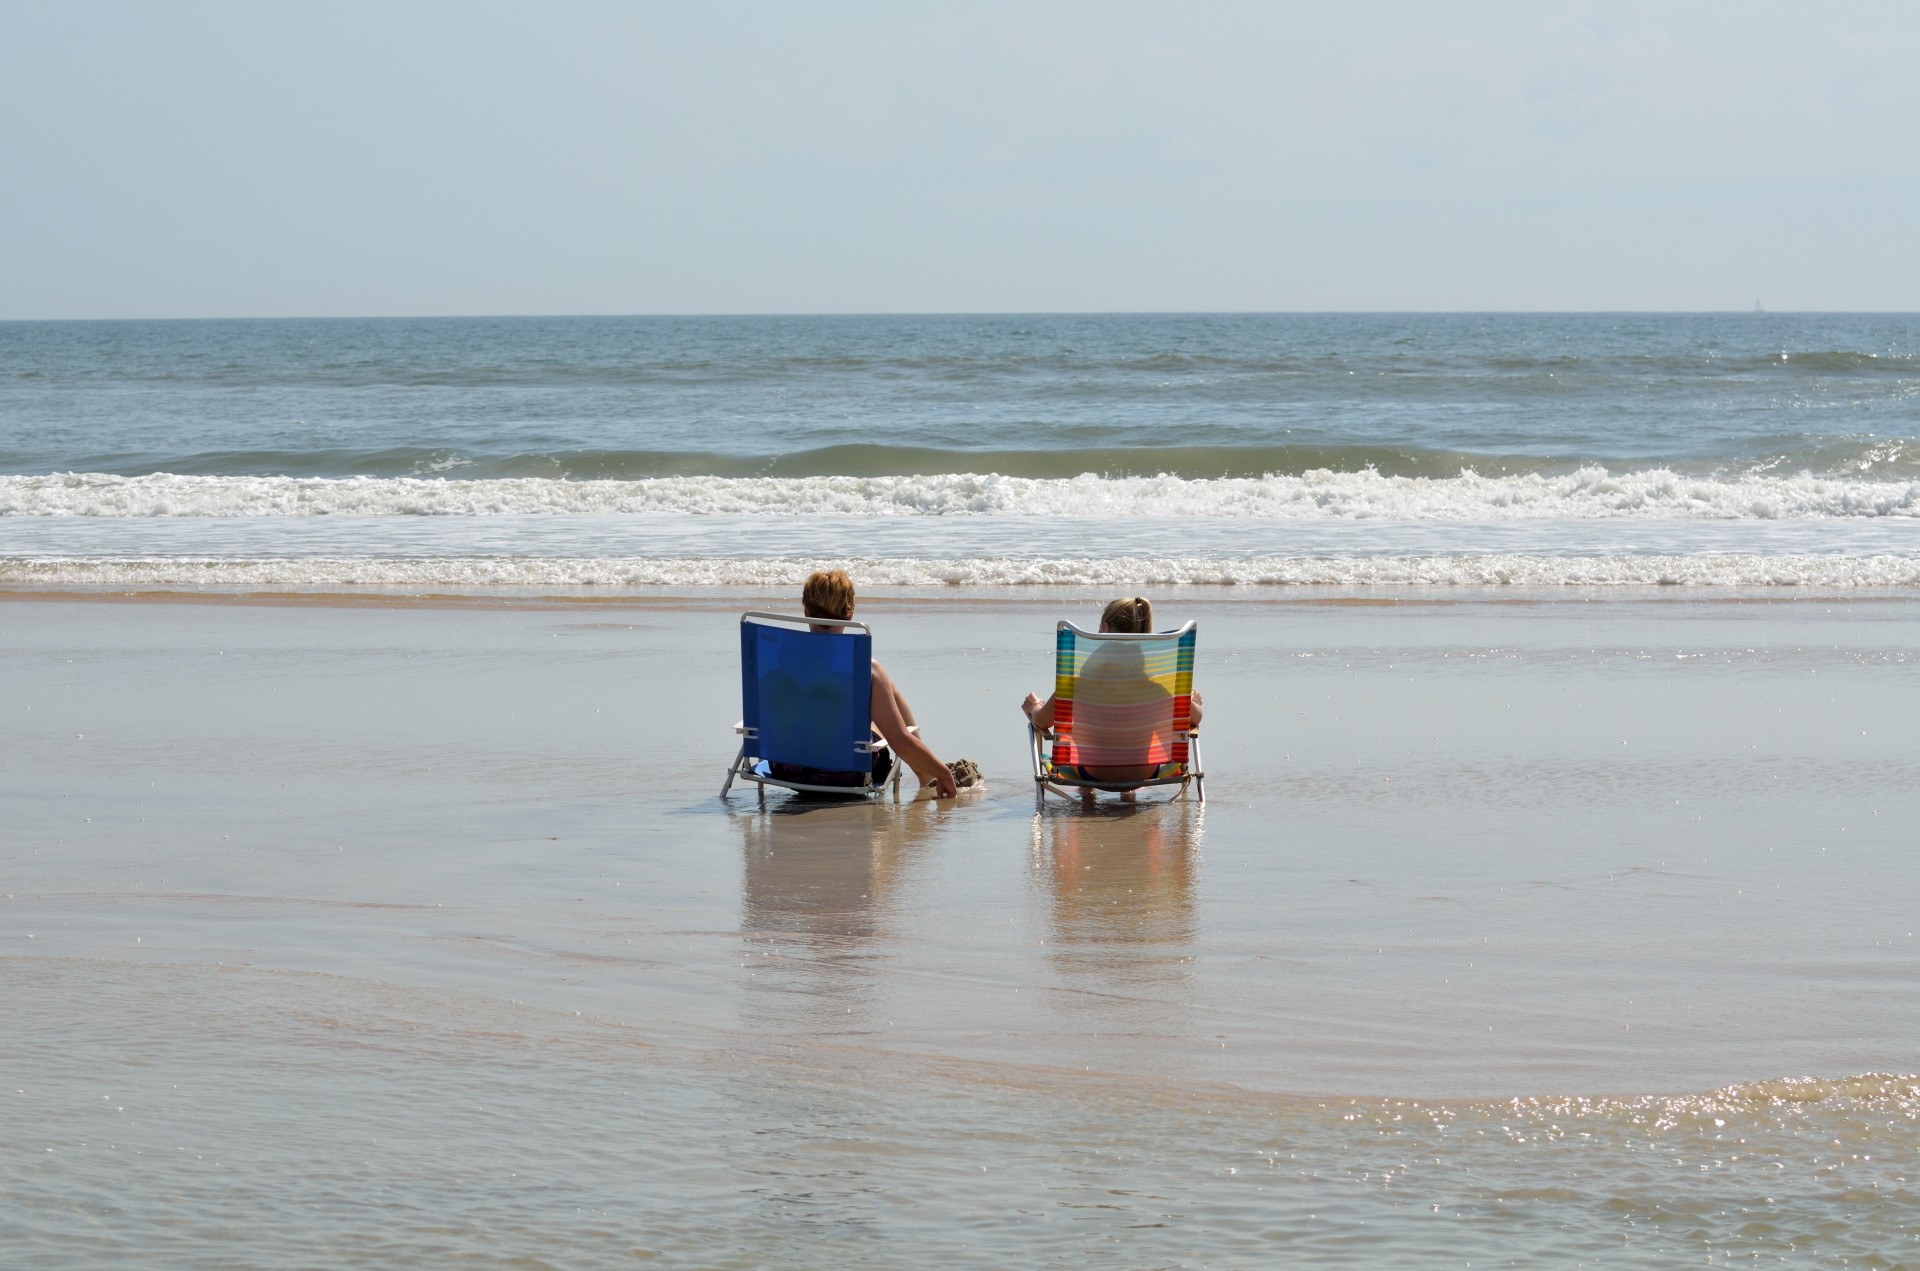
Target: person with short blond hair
829,594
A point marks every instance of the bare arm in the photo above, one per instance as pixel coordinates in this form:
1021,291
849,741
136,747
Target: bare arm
892,721
1039,712
906,711
1193,713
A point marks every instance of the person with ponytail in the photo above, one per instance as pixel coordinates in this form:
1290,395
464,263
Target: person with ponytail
1118,660
1128,617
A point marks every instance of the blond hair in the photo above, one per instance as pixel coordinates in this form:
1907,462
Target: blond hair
828,594
1128,617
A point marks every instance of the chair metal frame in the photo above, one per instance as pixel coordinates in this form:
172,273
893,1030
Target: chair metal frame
1036,740
741,769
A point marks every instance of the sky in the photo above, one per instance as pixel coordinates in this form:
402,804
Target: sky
193,159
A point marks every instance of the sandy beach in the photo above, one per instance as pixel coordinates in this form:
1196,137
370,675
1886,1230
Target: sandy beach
463,864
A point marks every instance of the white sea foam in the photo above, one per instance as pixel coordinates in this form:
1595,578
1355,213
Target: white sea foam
547,574
1589,493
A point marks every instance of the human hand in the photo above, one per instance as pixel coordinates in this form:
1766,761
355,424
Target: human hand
1031,704
944,786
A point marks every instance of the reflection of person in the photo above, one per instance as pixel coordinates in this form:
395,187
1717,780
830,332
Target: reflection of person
830,871
1122,888
822,882
1115,674
829,594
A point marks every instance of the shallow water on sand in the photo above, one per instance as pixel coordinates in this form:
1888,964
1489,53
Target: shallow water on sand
404,935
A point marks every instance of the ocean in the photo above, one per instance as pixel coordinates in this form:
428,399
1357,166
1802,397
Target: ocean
366,899
1268,450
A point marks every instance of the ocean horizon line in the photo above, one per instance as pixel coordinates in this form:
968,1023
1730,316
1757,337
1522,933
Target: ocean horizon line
816,315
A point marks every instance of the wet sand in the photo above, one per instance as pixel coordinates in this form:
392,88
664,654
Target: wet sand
446,857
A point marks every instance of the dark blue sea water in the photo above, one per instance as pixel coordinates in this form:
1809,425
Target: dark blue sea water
1198,448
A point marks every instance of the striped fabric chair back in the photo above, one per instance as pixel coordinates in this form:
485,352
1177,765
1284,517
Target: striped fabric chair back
1122,700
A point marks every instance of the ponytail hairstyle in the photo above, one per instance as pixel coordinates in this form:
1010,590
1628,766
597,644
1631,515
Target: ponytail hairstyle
1128,617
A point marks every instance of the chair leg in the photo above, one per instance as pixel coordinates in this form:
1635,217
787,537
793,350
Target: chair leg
733,770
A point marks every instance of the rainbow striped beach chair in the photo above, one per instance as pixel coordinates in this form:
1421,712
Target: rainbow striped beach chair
1120,701
806,708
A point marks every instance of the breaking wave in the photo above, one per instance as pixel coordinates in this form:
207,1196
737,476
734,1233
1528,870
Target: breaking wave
1590,492
616,573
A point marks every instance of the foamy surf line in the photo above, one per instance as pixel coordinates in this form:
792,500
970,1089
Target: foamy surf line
560,575
1589,493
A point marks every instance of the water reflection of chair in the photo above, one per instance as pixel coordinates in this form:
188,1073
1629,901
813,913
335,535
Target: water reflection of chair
1120,884
822,882
1120,702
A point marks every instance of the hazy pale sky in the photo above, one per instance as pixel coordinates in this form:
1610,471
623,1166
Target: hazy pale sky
580,156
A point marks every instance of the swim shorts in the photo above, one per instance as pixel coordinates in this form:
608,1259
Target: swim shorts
882,769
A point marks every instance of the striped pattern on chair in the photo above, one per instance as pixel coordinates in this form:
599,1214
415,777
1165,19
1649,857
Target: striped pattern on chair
1120,703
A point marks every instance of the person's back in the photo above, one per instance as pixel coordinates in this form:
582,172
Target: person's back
828,594
1122,727
1122,717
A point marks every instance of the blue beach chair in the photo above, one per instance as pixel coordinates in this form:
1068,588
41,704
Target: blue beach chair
1120,700
806,713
